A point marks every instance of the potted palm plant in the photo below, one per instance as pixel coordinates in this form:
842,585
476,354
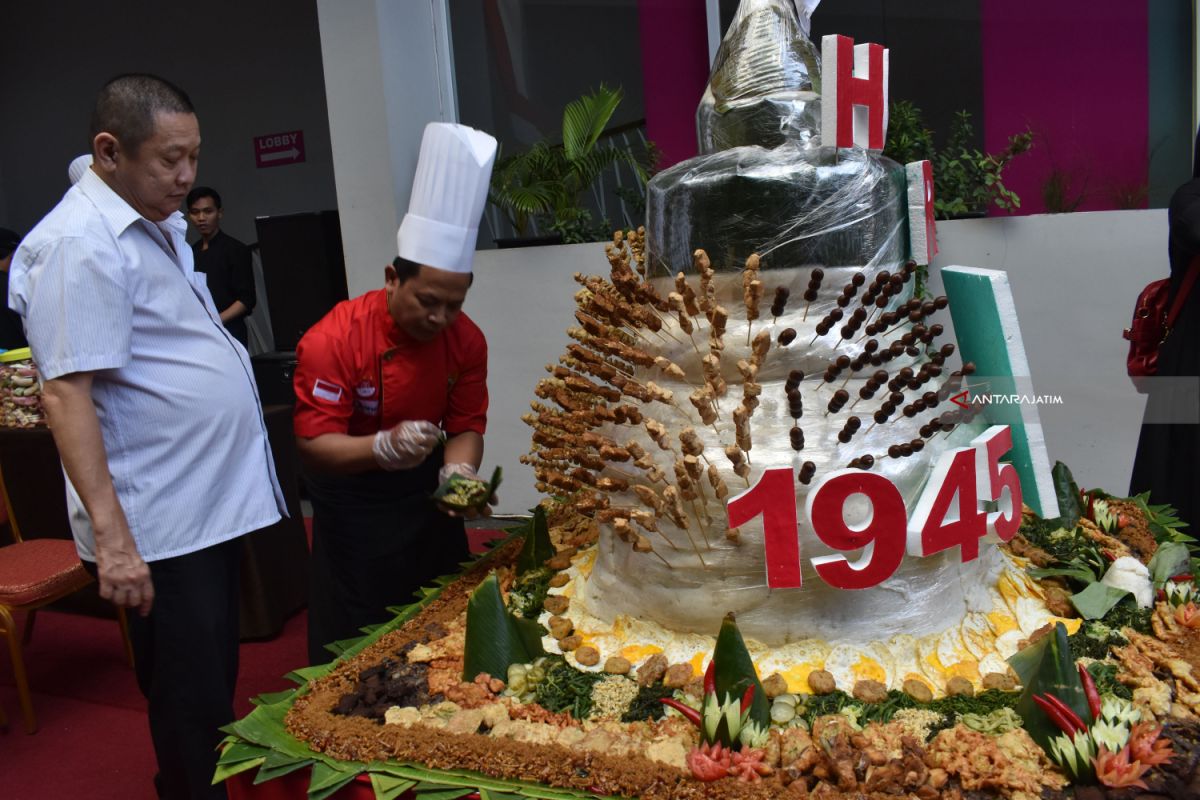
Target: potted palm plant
543,189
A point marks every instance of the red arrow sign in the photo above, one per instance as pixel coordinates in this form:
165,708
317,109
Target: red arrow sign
960,400
277,149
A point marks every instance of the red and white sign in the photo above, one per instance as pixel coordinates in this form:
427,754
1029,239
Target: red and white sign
922,229
949,514
854,93
277,149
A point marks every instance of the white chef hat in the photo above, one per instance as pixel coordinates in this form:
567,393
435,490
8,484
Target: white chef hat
79,166
448,193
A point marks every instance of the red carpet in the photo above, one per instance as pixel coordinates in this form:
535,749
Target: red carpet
93,740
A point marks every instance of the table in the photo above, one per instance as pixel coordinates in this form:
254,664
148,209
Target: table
274,560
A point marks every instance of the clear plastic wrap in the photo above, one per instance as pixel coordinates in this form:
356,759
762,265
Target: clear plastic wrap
697,574
793,207
766,320
762,91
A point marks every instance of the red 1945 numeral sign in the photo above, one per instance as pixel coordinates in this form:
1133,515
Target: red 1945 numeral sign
948,514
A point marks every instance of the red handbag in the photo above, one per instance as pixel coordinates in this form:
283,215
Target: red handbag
1152,322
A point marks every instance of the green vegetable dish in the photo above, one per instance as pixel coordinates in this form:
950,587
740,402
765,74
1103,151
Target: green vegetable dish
463,494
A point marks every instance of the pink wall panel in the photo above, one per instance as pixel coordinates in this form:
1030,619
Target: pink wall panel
674,41
1076,72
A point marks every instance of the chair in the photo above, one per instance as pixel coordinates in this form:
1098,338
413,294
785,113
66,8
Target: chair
34,574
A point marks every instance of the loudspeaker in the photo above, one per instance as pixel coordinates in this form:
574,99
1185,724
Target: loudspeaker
273,373
304,271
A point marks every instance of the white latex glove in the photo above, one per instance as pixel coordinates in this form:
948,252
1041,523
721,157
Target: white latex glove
406,445
466,470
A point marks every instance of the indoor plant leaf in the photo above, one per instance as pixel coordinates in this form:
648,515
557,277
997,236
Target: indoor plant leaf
494,638
1046,666
1097,600
734,670
538,547
585,118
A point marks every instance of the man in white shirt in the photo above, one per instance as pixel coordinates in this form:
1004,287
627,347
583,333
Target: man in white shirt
155,414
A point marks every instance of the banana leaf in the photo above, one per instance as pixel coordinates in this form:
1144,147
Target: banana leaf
495,638
389,787
734,671
279,764
1097,600
261,740
1046,666
1069,507
1170,559
327,779
538,547
491,794
439,792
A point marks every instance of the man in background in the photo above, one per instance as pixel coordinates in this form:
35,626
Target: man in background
225,261
155,415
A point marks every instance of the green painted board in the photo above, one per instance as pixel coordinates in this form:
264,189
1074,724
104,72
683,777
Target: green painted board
985,324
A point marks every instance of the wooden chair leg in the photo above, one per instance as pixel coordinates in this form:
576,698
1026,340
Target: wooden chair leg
30,616
123,621
18,662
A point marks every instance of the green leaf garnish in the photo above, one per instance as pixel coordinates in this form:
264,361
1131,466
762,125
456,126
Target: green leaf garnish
1046,666
495,638
734,671
1097,600
538,547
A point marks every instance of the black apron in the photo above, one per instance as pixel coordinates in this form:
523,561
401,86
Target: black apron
377,539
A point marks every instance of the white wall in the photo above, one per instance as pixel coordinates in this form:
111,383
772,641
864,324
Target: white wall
1074,278
250,68
523,299
385,77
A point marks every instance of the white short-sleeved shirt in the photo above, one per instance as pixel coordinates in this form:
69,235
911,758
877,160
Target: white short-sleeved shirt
106,291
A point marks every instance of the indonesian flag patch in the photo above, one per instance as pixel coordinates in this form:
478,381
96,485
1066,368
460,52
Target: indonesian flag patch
324,390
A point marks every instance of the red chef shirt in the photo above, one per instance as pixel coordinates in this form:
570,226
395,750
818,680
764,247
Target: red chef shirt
358,373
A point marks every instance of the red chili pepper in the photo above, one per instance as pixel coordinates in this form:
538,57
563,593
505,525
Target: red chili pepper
1089,691
693,716
1055,715
1123,520
710,678
748,697
1182,577
1067,712
1108,554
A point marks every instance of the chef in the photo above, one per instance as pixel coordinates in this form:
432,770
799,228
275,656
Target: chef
391,399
